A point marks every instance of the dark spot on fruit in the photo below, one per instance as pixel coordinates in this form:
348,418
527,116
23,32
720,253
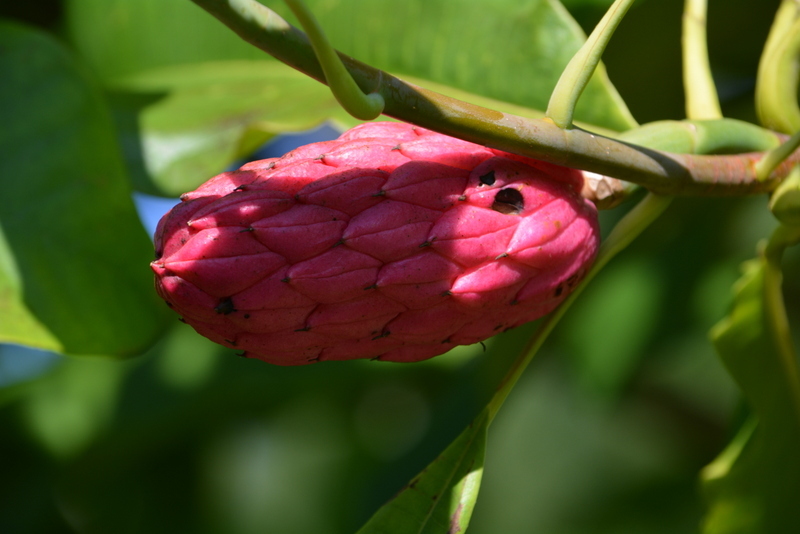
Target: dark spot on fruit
508,201
559,290
225,306
447,340
250,229
380,193
242,354
340,242
169,304
483,345
488,178
498,327
231,343
447,293
181,319
246,315
286,280
383,334
572,279
373,286
304,329
425,244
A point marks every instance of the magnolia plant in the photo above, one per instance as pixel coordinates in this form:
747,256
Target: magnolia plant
396,241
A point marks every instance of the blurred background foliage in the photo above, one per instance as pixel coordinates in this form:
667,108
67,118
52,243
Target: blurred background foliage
605,434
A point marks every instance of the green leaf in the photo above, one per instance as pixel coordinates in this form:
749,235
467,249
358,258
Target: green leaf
184,115
441,498
192,121
753,486
73,273
18,325
508,50
122,37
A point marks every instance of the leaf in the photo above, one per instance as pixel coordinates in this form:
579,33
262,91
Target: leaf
18,324
181,125
123,37
754,485
441,498
185,116
73,272
190,122
508,50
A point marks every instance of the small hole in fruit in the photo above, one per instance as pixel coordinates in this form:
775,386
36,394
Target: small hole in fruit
508,201
225,307
488,178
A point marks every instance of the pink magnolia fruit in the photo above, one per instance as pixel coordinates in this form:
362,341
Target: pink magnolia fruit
391,242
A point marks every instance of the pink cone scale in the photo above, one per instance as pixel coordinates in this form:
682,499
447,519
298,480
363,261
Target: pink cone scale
392,242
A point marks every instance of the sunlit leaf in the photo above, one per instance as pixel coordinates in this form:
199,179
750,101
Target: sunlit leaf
77,278
18,324
181,125
754,486
441,498
509,50
195,120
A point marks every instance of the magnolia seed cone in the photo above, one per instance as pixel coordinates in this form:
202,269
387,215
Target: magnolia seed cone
391,242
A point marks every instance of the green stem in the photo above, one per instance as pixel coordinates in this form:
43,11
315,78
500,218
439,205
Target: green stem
702,102
775,309
348,94
776,85
661,172
626,230
776,156
579,70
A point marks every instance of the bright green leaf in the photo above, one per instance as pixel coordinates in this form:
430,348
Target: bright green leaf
193,121
441,498
182,125
75,276
754,486
509,50
122,37
18,324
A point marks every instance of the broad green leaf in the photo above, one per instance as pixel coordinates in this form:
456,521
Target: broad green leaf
441,498
122,37
509,50
74,276
18,324
754,486
202,117
181,125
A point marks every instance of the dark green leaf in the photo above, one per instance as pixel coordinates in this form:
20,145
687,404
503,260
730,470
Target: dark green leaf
441,498
75,275
754,486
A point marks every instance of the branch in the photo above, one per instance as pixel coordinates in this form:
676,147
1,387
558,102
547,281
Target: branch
661,172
